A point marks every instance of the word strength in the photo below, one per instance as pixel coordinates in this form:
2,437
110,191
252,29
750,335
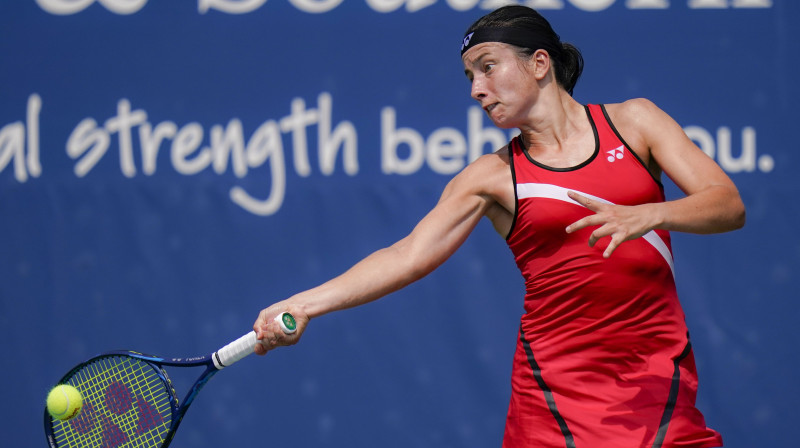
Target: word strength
130,141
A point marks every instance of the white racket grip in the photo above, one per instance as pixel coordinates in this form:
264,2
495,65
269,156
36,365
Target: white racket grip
235,351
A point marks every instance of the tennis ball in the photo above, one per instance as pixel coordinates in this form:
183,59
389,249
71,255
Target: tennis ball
64,402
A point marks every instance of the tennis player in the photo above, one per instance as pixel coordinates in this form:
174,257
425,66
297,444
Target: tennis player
603,357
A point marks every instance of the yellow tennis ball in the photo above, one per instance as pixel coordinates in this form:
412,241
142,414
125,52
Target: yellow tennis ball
64,402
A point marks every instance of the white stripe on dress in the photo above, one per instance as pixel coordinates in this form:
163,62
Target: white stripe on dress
549,191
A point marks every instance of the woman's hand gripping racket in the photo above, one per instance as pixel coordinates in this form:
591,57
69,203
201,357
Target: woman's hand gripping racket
128,399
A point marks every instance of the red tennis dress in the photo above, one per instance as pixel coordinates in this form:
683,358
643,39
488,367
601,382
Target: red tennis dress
603,357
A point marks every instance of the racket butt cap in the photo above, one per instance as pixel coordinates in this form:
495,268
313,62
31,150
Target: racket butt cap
287,322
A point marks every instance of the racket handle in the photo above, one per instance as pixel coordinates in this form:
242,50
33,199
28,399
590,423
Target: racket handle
243,346
235,351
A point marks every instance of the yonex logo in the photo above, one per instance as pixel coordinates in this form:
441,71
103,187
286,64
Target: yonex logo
615,154
101,420
466,40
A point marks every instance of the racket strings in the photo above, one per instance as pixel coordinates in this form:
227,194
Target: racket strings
126,402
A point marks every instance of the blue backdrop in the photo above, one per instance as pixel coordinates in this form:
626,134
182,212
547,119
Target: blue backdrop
167,169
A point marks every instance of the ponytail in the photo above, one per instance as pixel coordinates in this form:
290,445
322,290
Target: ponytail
569,67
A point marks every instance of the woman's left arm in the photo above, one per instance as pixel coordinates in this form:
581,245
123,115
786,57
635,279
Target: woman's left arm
712,203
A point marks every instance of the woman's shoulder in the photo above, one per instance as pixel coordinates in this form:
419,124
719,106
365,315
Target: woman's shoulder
633,109
638,118
493,160
488,172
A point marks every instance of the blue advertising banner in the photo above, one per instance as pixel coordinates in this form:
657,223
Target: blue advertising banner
168,169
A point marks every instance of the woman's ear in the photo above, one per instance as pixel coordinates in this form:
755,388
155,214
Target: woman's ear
540,62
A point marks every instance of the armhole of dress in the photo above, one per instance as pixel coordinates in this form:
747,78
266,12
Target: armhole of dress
514,186
627,146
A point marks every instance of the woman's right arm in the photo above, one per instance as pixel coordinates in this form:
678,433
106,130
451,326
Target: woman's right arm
467,198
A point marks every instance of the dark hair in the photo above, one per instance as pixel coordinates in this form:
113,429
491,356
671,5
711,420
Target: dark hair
566,58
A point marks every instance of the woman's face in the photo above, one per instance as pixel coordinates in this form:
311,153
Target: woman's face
502,82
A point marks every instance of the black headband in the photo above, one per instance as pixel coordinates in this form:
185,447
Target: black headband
520,37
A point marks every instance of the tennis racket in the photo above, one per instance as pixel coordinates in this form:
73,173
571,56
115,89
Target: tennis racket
129,401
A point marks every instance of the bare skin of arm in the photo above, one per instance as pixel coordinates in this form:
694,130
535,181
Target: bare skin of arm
484,188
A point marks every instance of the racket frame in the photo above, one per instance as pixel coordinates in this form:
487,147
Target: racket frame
214,362
177,409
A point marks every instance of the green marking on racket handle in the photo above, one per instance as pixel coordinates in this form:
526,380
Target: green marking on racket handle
287,322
